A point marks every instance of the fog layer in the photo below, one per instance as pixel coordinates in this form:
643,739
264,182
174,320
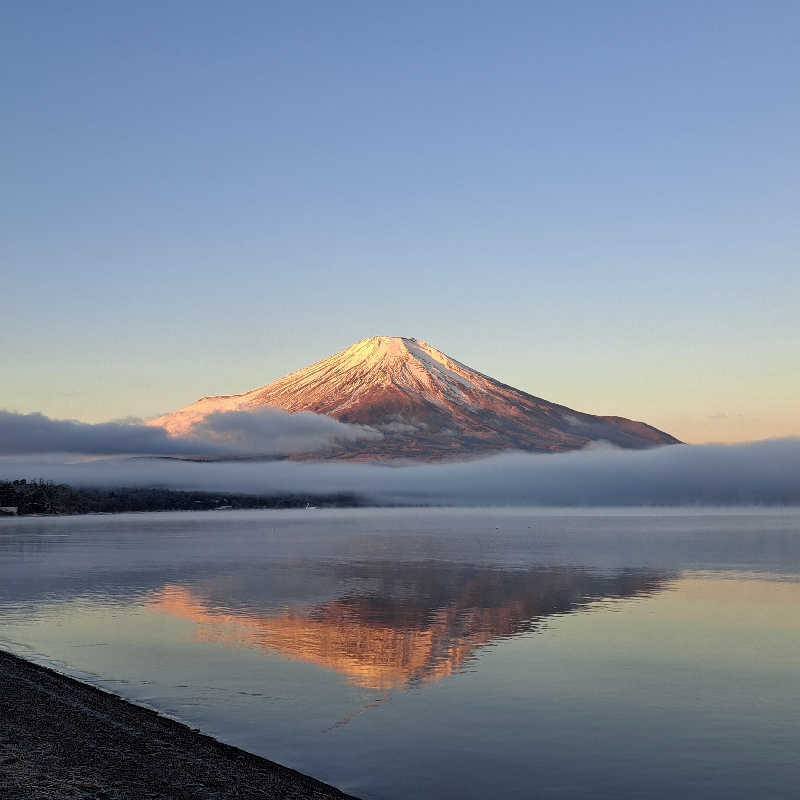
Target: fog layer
759,472
268,431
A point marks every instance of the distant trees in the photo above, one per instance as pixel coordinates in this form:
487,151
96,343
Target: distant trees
46,497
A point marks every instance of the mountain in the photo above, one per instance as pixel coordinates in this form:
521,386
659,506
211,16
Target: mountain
385,634
426,404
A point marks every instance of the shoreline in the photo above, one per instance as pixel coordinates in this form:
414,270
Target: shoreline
62,738
22,497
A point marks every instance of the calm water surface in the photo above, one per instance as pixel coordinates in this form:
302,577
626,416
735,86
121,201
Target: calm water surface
440,653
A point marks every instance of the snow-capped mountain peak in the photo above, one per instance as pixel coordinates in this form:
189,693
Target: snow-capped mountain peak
425,403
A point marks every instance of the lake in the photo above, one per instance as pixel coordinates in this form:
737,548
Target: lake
440,653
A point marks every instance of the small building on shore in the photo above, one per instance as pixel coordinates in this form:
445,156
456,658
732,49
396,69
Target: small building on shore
10,511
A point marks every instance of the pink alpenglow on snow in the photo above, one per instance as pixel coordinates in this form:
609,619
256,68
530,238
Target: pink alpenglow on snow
424,404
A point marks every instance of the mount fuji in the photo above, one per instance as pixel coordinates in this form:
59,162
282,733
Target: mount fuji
426,405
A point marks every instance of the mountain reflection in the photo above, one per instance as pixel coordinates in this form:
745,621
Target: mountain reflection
393,625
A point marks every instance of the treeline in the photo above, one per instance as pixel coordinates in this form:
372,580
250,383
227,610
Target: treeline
46,497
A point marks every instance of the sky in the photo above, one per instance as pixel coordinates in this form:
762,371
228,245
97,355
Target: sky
596,203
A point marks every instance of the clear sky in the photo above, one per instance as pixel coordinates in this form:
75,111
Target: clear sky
598,203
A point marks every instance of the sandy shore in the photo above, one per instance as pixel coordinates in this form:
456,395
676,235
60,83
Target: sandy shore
60,738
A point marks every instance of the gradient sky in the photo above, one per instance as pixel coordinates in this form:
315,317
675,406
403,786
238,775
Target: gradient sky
597,203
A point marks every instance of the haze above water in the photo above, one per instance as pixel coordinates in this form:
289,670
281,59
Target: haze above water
440,653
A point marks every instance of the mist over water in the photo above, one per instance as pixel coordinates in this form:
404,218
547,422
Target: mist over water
766,472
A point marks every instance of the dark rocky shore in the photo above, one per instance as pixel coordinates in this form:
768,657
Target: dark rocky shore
60,738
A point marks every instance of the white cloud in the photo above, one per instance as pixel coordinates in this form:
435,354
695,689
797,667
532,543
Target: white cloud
759,472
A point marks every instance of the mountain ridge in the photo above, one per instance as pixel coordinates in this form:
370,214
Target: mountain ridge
426,404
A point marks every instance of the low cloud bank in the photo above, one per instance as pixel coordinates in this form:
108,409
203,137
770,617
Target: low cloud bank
766,472
270,431
267,431
35,433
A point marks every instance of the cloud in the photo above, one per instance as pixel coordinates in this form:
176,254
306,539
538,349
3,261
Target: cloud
273,431
263,432
765,472
36,433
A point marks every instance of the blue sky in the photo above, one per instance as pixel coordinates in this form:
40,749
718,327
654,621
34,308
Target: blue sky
595,202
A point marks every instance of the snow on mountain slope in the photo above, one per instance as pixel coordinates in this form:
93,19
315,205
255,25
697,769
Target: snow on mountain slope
426,404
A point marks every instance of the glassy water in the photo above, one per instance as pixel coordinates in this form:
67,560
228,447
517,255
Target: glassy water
440,653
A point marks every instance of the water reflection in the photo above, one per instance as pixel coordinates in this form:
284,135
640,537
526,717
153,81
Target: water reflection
395,625
667,657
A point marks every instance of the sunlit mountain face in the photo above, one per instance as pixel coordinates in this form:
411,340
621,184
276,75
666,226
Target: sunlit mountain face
424,404
383,632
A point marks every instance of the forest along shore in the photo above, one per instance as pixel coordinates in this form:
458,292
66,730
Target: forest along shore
24,497
60,738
